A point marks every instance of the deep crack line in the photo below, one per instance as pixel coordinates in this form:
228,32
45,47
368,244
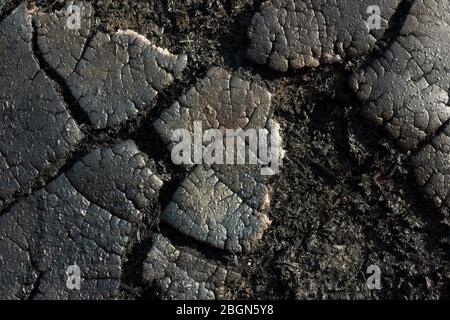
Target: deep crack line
43,180
92,139
368,80
36,285
429,139
391,33
80,116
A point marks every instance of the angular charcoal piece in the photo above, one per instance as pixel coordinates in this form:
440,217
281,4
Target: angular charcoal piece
432,169
112,77
222,205
406,89
182,276
303,33
70,223
35,128
60,40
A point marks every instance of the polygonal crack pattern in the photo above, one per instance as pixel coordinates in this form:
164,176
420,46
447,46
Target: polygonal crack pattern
220,101
60,40
206,209
406,89
72,222
178,275
220,205
432,169
113,77
35,128
303,33
118,179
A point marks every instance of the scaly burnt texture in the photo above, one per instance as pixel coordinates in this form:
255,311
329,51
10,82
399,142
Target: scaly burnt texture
432,169
342,201
303,33
85,217
36,128
182,276
113,77
220,206
61,39
406,88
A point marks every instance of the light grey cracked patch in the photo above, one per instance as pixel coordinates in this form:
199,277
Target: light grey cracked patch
223,205
70,223
113,77
432,169
59,39
36,129
121,74
406,90
178,275
206,209
248,184
303,33
220,101
118,179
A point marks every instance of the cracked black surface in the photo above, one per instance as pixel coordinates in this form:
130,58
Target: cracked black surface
182,276
37,128
345,199
304,33
86,217
112,78
406,89
219,205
